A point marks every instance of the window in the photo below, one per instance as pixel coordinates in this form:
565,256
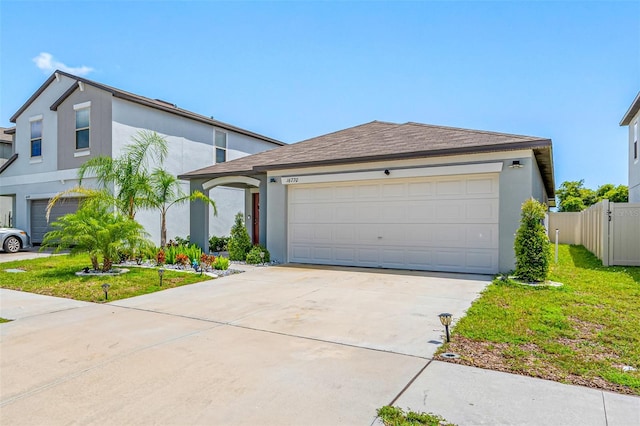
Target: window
36,137
82,126
635,141
221,147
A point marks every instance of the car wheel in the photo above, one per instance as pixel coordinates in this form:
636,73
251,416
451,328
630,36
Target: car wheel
12,245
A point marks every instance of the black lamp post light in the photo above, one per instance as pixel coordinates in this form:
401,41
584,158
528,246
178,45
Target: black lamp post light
105,288
160,274
445,319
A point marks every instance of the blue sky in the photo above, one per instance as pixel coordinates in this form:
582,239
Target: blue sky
294,70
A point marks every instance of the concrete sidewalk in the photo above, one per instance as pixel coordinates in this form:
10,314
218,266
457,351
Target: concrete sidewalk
473,396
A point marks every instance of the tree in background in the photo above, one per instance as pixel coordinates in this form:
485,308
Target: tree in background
574,197
166,192
532,243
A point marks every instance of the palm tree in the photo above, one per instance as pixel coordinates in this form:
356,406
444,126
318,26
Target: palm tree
123,180
96,230
128,175
166,192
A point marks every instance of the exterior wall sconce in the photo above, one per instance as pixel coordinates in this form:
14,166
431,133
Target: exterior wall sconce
387,172
515,164
445,319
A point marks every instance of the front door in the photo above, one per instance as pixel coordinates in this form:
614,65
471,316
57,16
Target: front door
256,218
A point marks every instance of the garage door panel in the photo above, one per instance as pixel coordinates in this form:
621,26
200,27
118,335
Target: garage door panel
397,190
368,191
420,189
481,236
345,255
450,187
368,256
445,223
323,254
485,260
482,211
481,186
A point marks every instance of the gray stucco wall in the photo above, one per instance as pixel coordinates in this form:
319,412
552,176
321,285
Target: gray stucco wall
634,164
516,186
191,147
99,127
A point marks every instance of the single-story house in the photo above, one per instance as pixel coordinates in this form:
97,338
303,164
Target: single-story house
404,196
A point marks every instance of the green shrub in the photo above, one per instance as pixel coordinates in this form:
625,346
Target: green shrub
192,252
221,263
239,241
253,257
182,241
218,244
532,243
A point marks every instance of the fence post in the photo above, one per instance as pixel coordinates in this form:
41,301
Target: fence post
606,220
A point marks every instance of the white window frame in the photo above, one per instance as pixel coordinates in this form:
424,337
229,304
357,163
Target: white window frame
35,158
217,148
76,108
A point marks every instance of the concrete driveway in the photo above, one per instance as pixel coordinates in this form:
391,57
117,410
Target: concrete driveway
278,345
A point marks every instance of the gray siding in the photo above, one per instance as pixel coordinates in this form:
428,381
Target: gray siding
100,127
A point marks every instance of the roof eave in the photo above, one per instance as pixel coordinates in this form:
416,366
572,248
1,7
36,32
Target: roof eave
414,154
631,112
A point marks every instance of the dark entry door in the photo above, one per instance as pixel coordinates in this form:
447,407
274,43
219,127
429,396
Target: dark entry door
256,218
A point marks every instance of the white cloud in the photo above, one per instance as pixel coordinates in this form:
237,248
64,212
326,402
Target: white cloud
48,64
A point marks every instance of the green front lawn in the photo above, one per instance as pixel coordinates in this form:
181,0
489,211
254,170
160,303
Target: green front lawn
583,333
55,276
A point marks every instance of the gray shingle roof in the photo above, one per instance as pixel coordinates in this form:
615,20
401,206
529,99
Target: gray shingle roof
152,103
378,140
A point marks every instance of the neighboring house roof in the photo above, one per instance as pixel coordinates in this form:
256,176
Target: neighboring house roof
376,141
5,134
152,103
631,112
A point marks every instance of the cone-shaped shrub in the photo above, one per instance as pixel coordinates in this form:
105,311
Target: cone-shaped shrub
532,243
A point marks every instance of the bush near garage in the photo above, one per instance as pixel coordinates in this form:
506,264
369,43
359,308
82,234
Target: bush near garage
253,257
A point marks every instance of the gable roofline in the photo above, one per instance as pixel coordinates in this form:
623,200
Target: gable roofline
307,153
631,112
141,100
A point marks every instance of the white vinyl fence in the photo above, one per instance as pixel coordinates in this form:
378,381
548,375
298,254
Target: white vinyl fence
611,231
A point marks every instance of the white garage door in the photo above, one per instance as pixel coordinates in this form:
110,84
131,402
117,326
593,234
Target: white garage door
447,223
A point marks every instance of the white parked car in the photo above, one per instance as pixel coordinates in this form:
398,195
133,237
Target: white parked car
12,240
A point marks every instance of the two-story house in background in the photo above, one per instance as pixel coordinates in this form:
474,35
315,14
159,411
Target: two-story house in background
631,119
70,119
6,152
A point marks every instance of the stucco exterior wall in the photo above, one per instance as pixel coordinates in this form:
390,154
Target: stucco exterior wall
191,146
29,178
516,185
99,127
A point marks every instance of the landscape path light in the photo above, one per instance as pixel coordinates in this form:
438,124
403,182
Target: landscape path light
160,274
105,288
445,319
262,257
